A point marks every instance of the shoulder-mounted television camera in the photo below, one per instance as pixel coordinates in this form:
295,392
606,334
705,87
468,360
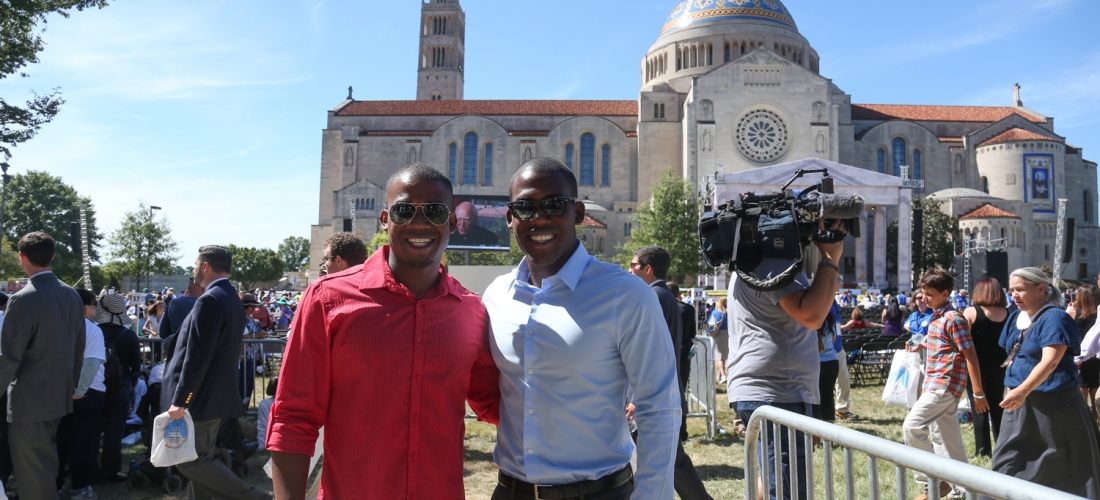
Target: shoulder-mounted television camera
746,229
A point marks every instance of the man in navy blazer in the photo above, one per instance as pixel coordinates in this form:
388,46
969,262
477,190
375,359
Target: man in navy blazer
202,376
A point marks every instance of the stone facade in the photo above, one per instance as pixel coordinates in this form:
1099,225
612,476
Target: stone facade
726,88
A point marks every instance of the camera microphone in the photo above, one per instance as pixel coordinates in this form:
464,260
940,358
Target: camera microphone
840,206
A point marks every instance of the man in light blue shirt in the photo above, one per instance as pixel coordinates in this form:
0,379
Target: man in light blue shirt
570,334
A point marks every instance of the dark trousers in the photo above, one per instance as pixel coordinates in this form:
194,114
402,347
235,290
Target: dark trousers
34,457
827,385
78,439
6,467
116,408
621,493
744,412
246,382
994,386
210,477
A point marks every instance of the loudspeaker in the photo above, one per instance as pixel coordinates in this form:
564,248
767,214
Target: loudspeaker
996,266
1067,255
74,238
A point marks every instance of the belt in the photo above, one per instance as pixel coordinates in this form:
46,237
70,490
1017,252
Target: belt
566,491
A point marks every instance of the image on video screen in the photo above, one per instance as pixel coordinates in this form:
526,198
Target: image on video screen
481,223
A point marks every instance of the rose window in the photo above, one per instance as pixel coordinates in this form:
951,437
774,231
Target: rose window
761,136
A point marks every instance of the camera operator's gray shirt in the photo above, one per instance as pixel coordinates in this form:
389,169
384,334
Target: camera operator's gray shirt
773,358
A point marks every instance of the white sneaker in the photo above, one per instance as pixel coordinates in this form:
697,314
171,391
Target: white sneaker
84,494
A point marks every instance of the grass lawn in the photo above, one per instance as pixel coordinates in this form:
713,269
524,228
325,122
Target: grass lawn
720,462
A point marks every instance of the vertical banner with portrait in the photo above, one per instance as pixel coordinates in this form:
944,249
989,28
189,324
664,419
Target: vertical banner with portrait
1039,185
481,223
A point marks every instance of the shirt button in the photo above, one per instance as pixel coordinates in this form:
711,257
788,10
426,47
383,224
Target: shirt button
415,417
530,411
530,451
531,370
416,378
412,457
530,332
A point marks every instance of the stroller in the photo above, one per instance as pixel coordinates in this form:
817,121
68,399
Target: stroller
142,475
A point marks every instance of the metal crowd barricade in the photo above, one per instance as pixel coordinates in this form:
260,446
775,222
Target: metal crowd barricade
975,480
266,357
701,391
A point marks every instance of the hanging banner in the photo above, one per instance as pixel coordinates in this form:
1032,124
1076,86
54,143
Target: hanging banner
1039,184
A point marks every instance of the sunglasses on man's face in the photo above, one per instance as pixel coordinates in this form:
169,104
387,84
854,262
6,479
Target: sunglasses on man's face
402,213
553,207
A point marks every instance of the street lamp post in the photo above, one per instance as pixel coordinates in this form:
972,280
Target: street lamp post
6,178
149,270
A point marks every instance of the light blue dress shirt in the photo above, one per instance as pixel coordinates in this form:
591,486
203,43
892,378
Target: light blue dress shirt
567,353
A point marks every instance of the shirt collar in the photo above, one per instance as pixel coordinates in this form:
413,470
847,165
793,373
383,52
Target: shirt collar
40,273
943,310
377,274
570,273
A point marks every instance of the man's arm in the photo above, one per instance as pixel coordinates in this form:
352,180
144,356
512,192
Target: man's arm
484,392
14,337
202,339
980,403
810,307
302,401
289,473
646,349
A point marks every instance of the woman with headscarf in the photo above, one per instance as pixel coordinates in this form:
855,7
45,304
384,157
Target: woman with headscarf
1047,435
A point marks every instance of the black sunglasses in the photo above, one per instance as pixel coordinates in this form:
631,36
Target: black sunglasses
553,207
402,213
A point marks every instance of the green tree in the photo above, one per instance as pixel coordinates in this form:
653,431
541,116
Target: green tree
294,251
143,245
22,23
671,220
938,238
255,265
38,201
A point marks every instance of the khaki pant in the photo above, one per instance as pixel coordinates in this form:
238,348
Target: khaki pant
932,426
843,383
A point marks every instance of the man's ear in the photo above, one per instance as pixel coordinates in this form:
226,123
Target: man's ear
508,218
579,210
453,221
384,219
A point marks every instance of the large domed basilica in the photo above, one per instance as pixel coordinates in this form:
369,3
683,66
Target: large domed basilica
730,87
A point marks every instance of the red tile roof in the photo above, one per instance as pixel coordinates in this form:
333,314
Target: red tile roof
398,132
590,222
950,139
989,212
936,113
1016,134
488,108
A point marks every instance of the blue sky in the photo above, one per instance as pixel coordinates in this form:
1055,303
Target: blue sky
213,110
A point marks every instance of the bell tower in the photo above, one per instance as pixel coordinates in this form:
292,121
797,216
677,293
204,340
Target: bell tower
442,51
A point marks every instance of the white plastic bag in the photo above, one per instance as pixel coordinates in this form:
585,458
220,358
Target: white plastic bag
173,440
903,386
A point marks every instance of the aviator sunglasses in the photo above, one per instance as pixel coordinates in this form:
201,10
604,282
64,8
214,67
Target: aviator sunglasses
402,213
553,207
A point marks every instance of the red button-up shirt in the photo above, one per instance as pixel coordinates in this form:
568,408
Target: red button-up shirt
388,376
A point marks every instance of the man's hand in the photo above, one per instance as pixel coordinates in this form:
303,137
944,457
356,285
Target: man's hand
630,412
175,412
981,405
77,396
831,251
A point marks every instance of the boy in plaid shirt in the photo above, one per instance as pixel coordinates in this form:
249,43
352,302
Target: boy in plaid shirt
949,357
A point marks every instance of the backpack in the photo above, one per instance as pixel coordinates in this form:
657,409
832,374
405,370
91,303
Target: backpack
112,368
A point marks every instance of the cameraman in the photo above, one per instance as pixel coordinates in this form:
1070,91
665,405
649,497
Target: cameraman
774,346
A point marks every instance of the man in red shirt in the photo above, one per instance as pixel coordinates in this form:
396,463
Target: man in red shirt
384,359
263,316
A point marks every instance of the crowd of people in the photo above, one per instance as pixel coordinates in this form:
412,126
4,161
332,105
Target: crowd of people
581,366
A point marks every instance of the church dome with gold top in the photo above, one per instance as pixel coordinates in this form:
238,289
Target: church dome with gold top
694,12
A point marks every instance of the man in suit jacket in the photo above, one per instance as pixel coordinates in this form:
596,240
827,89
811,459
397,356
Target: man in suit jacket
202,376
173,319
41,354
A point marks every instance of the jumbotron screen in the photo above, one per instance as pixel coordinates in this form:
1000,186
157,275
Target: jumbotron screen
481,223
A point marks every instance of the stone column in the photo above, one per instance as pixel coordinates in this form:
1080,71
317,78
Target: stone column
861,250
879,247
905,240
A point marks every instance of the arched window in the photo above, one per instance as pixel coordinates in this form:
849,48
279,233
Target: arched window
452,158
656,111
985,184
469,159
1087,198
916,164
899,155
881,161
662,111
605,166
488,179
527,155
727,58
569,155
1046,252
588,159
1004,236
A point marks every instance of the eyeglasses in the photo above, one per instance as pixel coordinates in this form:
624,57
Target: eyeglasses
553,207
402,213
